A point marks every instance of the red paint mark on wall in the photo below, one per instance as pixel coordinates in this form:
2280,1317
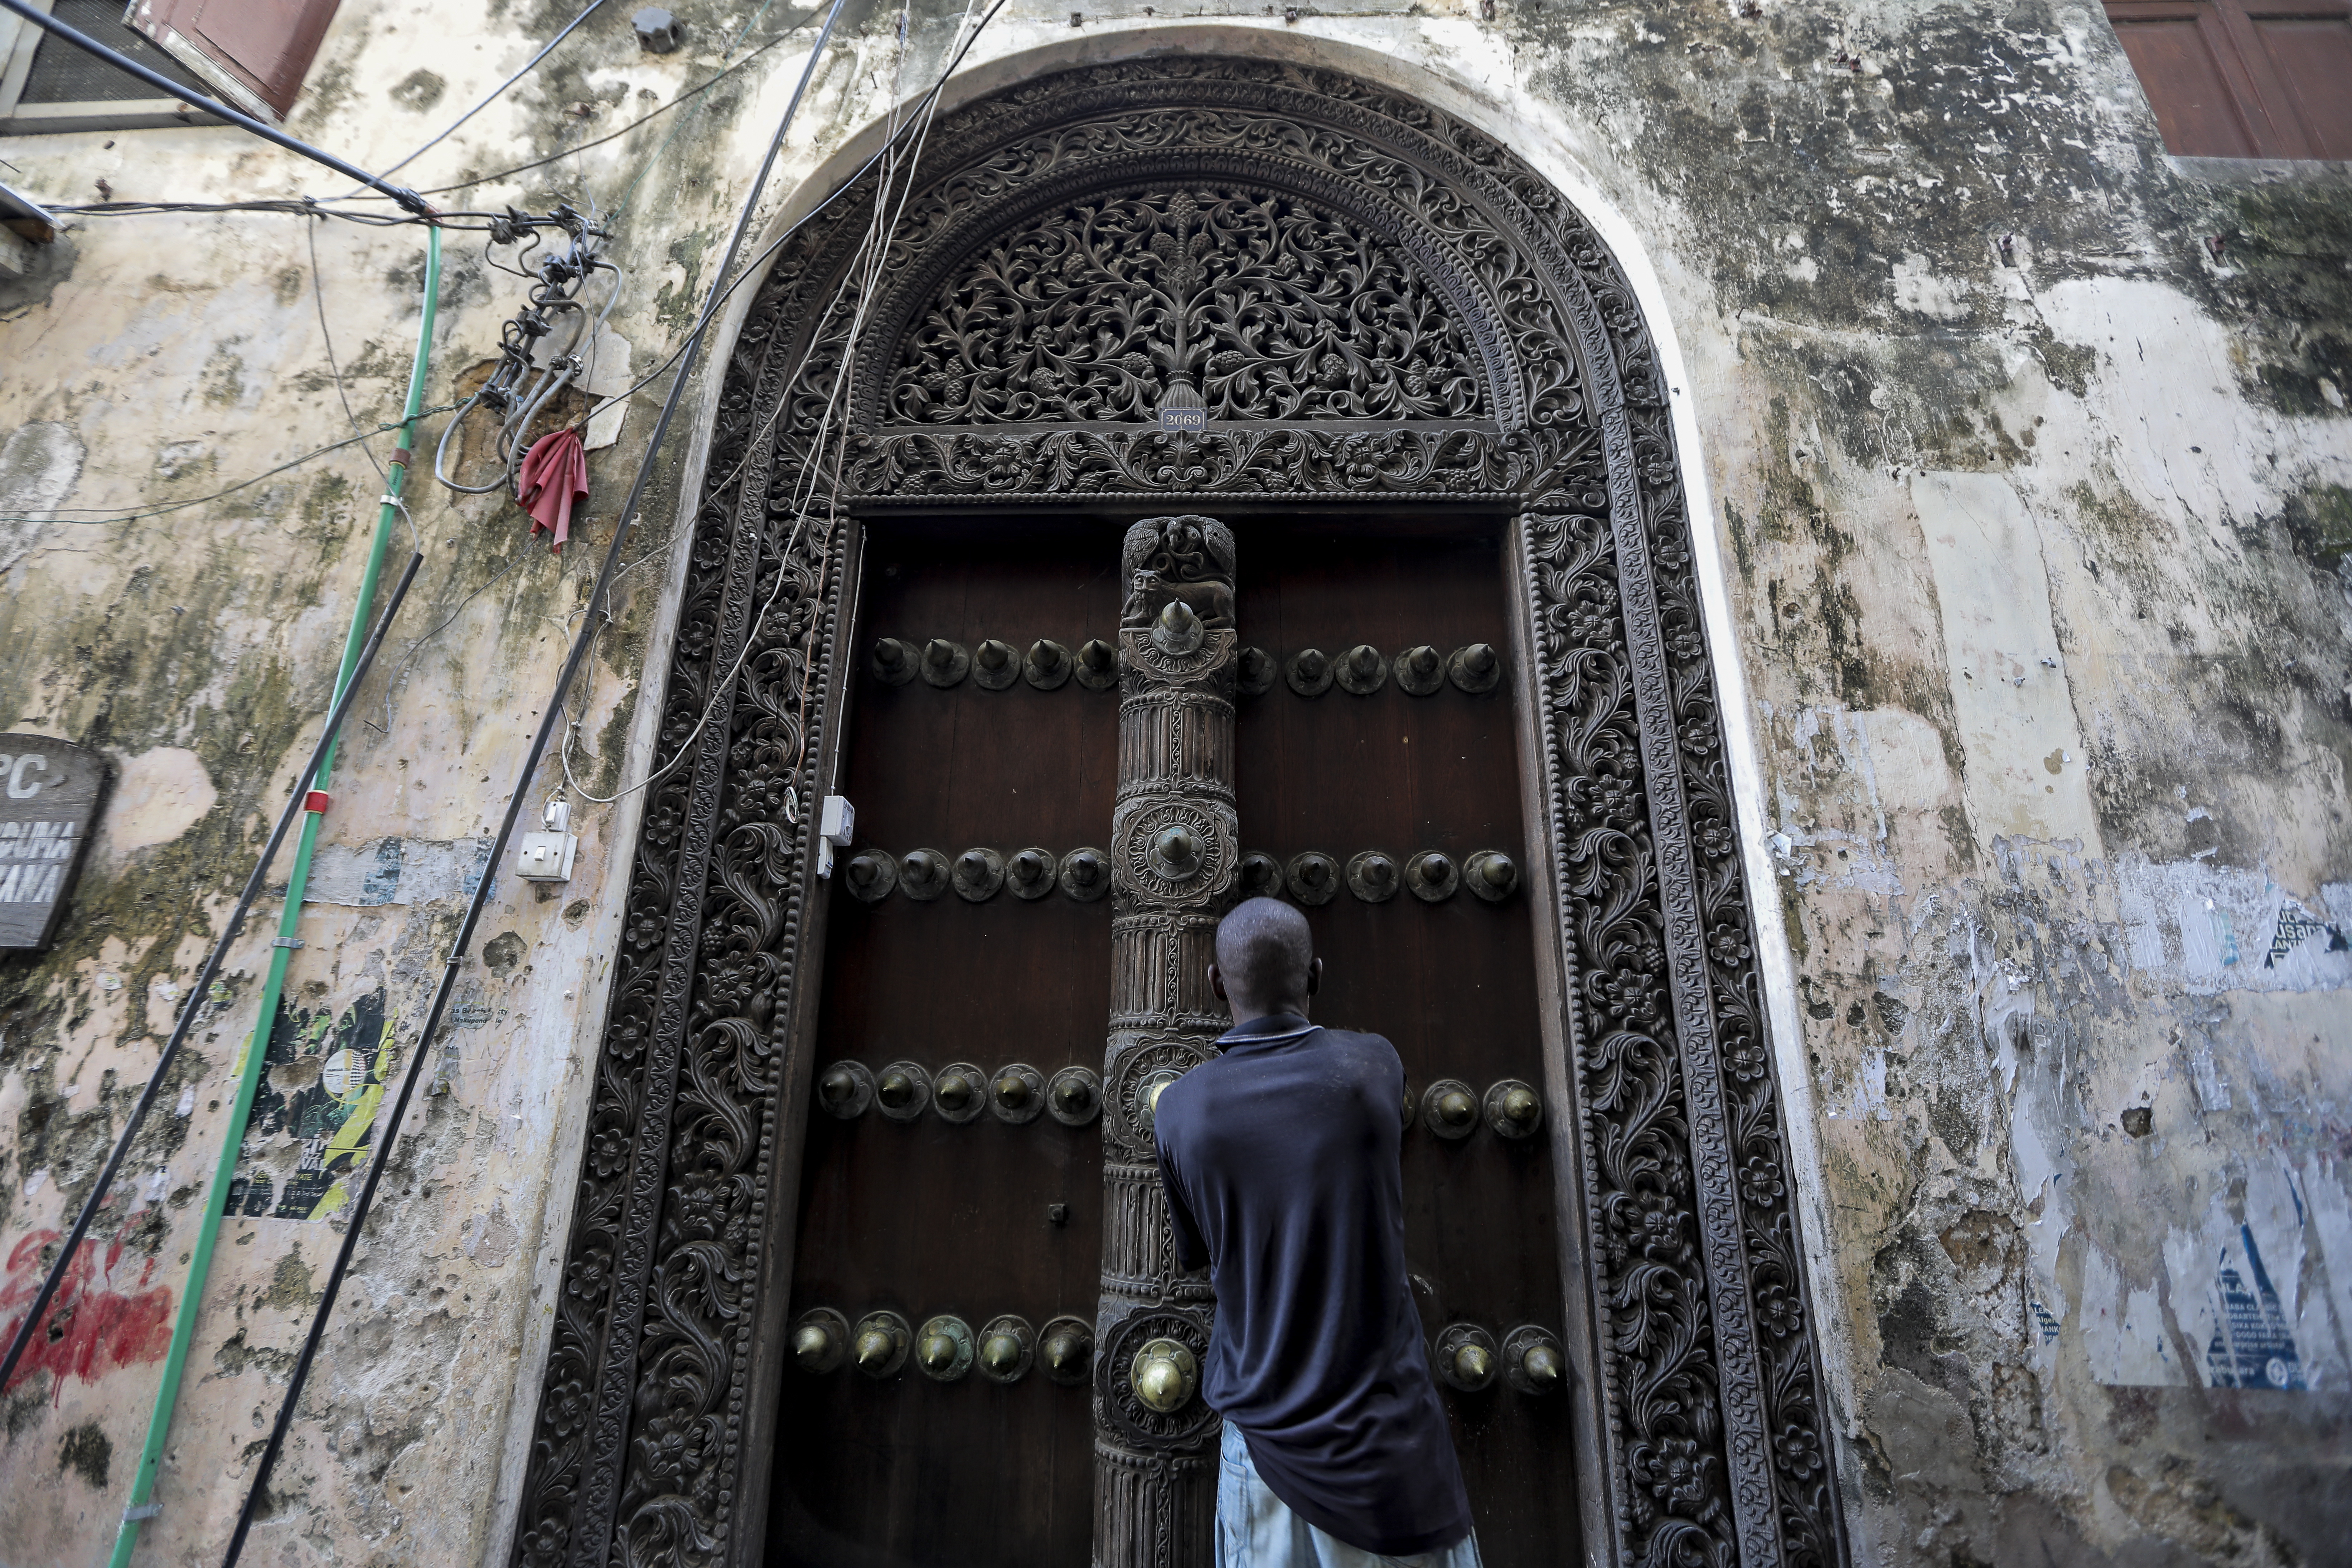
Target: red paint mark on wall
94,1326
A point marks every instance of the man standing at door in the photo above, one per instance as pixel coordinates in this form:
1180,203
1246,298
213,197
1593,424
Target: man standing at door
1280,1163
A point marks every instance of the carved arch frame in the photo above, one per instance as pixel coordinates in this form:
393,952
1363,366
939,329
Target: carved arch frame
1702,1429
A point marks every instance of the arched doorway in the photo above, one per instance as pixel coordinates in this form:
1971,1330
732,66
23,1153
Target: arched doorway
1309,327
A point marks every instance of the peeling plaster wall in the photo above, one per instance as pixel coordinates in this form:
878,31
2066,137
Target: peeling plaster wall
2032,508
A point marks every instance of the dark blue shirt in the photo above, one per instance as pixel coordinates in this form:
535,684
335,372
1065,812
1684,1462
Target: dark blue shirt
1280,1163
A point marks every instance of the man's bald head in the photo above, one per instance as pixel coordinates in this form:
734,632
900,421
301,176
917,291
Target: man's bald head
1265,959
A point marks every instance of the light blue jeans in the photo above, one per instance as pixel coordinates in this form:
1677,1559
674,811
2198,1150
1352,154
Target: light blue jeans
1256,1529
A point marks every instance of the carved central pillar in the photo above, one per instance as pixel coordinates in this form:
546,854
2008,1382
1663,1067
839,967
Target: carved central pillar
1174,848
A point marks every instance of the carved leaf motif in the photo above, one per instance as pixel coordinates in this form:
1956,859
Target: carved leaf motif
1265,305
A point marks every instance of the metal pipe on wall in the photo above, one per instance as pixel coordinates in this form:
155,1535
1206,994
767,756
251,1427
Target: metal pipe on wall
257,1046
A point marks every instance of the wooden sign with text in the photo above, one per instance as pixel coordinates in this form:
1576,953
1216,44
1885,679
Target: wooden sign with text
49,795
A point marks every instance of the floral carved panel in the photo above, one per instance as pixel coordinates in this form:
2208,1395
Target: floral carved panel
1371,302
1261,304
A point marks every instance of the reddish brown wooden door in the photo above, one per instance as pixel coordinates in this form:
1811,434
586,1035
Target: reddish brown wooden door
928,1216
1450,982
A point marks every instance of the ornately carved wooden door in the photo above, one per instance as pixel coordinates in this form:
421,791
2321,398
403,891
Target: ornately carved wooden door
1341,693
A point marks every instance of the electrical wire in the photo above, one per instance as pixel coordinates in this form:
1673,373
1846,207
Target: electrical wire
527,379
528,374
864,269
327,341
197,100
919,114
392,682
356,1224
630,195
686,96
293,206
869,254
108,521
528,66
719,689
199,994
753,268
921,110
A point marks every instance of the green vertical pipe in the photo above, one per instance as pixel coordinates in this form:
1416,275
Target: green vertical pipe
249,1082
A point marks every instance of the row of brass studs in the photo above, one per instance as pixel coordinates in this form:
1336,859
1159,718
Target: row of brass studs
1464,1356
1454,1110
1018,1093
1467,1360
977,875
959,1091
944,1349
1311,877
1049,666
1361,671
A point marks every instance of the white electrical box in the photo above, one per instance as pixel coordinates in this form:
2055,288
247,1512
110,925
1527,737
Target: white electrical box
836,824
547,856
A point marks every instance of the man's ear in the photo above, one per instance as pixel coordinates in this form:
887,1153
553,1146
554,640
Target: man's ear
1313,977
1217,985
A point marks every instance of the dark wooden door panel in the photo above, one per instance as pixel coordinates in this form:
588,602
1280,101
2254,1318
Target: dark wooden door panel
931,1217
1452,983
908,1215
2312,58
2243,79
2179,61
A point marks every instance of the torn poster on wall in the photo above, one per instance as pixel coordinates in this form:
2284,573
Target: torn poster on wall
2252,1346
313,1125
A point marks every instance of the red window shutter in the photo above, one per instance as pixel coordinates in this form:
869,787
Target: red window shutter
2183,59
2312,58
2243,79
254,51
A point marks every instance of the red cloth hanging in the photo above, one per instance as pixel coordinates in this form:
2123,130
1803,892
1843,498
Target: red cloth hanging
554,480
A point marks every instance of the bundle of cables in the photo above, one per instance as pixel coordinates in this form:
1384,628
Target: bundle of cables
533,370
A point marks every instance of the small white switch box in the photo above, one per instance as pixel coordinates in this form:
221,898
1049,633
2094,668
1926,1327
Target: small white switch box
547,856
838,821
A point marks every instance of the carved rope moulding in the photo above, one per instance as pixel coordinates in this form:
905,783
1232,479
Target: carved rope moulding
659,1383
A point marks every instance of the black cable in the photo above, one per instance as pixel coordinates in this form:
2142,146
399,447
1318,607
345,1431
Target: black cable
51,515
841,189
441,993
302,206
847,183
686,97
327,341
201,989
528,66
237,117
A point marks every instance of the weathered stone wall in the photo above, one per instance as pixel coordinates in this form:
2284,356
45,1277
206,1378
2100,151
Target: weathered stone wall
2032,475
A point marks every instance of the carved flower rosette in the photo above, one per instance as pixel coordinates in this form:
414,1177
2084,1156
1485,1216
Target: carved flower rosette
1139,822
1117,1405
